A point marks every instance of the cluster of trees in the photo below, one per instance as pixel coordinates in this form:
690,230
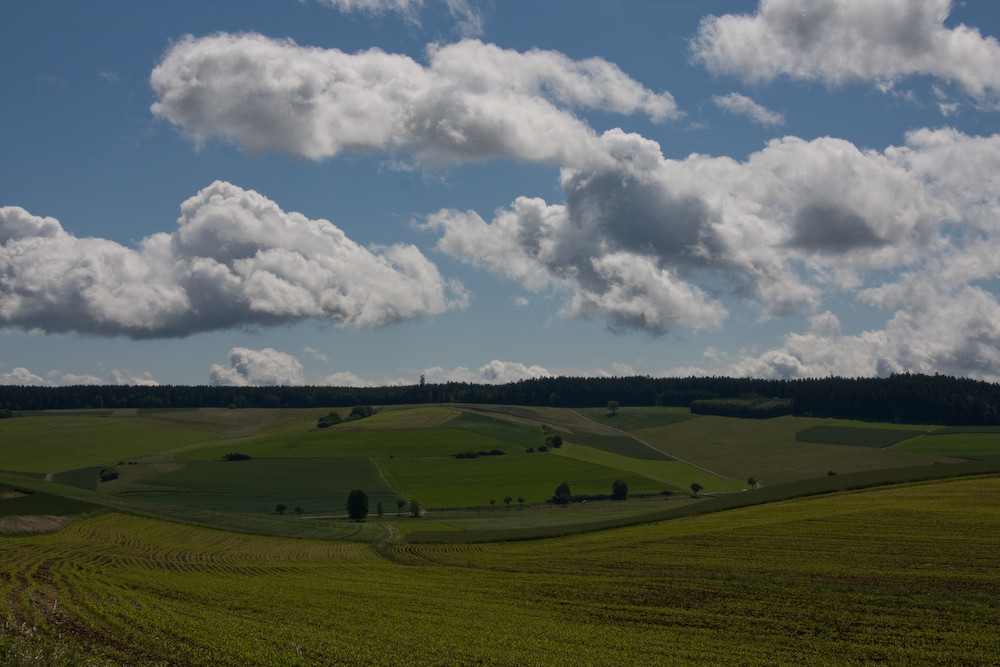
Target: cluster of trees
236,456
563,495
750,407
903,398
357,507
473,455
333,417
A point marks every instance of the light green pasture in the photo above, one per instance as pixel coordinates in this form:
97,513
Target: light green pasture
972,445
518,433
450,482
673,475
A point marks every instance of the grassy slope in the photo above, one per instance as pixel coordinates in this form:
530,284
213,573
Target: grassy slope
671,475
53,444
319,485
790,583
767,449
449,482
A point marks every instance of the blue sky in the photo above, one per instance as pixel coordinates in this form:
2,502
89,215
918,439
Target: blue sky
366,191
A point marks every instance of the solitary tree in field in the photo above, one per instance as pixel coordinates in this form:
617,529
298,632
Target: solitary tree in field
399,506
695,488
619,490
613,408
299,510
280,508
751,482
415,508
506,501
357,505
378,509
520,502
493,502
562,494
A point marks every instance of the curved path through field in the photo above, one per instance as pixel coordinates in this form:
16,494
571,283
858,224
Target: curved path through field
653,447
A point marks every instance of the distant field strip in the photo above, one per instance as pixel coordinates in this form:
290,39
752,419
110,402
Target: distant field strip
673,475
635,419
850,435
966,444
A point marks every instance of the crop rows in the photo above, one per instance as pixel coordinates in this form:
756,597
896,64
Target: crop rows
818,581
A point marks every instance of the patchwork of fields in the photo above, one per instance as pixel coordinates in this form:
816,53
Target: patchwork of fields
183,557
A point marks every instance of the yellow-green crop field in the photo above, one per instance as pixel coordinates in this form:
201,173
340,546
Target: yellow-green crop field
187,558
903,575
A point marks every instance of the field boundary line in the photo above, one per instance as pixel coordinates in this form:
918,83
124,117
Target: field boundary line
655,449
388,485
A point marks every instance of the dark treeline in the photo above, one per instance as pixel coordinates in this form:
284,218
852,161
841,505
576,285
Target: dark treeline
915,399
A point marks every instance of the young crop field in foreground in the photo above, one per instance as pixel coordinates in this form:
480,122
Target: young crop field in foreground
901,575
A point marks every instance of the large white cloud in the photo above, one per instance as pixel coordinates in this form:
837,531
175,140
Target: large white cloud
653,244
236,259
839,41
472,101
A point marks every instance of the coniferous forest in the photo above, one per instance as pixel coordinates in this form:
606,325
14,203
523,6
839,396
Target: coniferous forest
904,398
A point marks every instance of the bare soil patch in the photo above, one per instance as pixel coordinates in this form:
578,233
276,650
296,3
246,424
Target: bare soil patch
41,523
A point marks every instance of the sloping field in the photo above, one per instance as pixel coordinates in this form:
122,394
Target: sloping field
319,486
902,575
636,419
767,449
52,444
336,442
449,482
673,475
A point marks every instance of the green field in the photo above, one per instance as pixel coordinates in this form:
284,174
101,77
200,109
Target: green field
898,575
769,451
972,444
53,444
853,435
318,486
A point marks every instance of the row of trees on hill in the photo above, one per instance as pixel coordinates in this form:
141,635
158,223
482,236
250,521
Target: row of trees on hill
909,398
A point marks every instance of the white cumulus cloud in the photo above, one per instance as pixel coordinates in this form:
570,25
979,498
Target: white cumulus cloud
652,244
236,259
472,101
840,41
266,367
